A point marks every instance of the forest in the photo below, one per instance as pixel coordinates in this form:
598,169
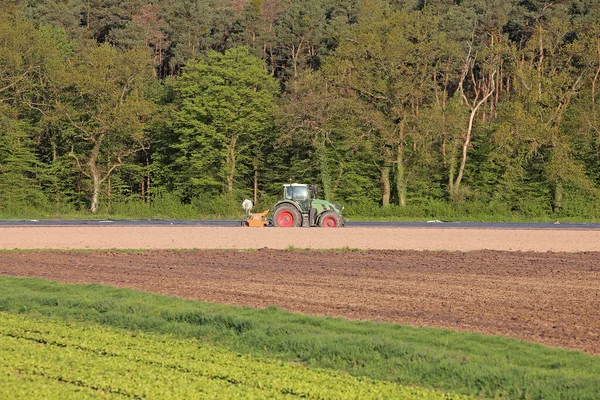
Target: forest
480,109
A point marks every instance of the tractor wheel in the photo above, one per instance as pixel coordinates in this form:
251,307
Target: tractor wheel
329,219
287,216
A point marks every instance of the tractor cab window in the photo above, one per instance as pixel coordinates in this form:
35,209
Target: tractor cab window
301,193
297,193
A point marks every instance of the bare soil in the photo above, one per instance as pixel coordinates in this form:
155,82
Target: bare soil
185,237
550,298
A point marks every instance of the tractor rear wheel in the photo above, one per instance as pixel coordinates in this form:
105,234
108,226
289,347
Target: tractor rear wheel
287,216
329,219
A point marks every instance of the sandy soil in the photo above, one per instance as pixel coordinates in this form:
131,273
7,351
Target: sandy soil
82,237
550,298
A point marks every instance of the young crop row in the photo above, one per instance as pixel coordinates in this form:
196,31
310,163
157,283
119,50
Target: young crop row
89,360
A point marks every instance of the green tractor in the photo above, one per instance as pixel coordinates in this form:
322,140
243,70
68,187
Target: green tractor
300,207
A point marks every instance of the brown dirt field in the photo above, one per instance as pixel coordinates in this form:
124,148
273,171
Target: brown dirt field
181,237
550,298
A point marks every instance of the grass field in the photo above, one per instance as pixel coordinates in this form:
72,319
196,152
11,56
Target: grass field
469,364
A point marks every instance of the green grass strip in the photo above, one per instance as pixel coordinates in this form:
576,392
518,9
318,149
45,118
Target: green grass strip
471,364
95,361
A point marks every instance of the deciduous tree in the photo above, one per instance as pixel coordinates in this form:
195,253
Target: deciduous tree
104,103
226,104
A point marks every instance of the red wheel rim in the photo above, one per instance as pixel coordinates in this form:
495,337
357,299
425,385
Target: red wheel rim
329,222
285,219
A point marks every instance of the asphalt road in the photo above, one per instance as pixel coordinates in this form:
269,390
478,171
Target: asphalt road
349,224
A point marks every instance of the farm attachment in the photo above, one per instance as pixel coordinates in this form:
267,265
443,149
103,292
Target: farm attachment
299,207
257,220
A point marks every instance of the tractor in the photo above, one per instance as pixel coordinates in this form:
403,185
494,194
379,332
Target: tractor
300,207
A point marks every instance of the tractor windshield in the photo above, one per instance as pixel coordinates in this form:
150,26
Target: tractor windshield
301,193
297,193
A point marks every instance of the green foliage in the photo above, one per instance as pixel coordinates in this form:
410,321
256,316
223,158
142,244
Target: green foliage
325,139
225,105
449,361
104,107
29,59
385,63
18,166
93,361
66,14
374,104
169,206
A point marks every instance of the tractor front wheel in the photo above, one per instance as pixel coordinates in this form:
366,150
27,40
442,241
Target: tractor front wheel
287,216
329,219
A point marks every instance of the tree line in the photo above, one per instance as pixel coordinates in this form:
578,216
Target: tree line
389,103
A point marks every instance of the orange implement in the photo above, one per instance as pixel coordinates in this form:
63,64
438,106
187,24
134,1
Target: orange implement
258,220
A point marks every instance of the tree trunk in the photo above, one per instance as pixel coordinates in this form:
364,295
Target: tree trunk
452,158
444,127
57,198
400,172
444,160
540,62
295,56
451,178
558,197
147,198
148,188
96,192
463,162
385,186
255,181
95,174
467,139
400,177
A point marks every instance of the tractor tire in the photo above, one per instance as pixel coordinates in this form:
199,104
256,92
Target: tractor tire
287,216
329,219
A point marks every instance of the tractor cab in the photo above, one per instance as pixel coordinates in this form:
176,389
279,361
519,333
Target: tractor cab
300,193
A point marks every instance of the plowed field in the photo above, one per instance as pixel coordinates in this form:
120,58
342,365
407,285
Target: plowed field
550,298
